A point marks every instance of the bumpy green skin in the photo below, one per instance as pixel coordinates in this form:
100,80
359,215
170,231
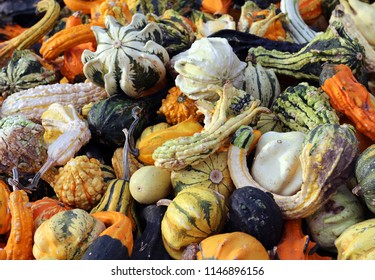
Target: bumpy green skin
303,107
332,46
23,71
22,145
365,175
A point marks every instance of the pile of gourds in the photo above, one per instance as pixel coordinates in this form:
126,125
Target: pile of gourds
224,130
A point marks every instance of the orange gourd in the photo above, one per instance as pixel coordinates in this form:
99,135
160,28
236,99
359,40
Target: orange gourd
177,107
119,226
84,6
295,245
45,208
148,144
216,7
231,246
72,67
310,9
349,97
20,241
5,216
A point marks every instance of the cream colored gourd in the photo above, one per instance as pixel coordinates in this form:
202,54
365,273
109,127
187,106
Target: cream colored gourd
276,165
150,183
206,66
32,102
66,133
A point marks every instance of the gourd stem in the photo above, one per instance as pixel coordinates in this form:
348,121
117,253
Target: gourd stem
34,182
163,202
135,113
125,157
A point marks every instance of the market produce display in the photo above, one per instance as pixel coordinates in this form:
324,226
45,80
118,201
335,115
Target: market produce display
187,130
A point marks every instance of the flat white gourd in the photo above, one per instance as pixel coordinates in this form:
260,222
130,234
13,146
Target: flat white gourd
276,165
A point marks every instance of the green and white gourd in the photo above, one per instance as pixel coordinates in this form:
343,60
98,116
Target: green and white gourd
129,59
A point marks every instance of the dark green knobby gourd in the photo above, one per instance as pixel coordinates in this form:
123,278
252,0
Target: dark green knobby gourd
303,107
332,46
255,212
25,70
160,6
149,246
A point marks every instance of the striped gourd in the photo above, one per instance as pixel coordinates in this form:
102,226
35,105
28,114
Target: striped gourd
193,214
261,83
303,107
116,197
269,122
333,46
32,102
212,173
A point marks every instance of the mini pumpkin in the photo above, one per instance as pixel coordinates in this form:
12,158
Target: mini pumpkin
177,107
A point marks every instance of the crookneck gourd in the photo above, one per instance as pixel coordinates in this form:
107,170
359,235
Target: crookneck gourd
267,23
234,108
206,66
25,70
350,97
326,157
332,46
302,107
128,59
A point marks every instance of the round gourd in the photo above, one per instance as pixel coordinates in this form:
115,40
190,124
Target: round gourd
108,117
255,212
342,210
150,183
211,173
66,235
231,246
194,214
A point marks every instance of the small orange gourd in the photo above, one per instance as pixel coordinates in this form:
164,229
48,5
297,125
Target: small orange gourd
349,97
84,6
177,107
295,245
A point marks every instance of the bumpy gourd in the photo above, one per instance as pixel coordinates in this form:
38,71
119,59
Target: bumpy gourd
233,109
303,107
32,102
80,182
206,66
128,59
332,46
